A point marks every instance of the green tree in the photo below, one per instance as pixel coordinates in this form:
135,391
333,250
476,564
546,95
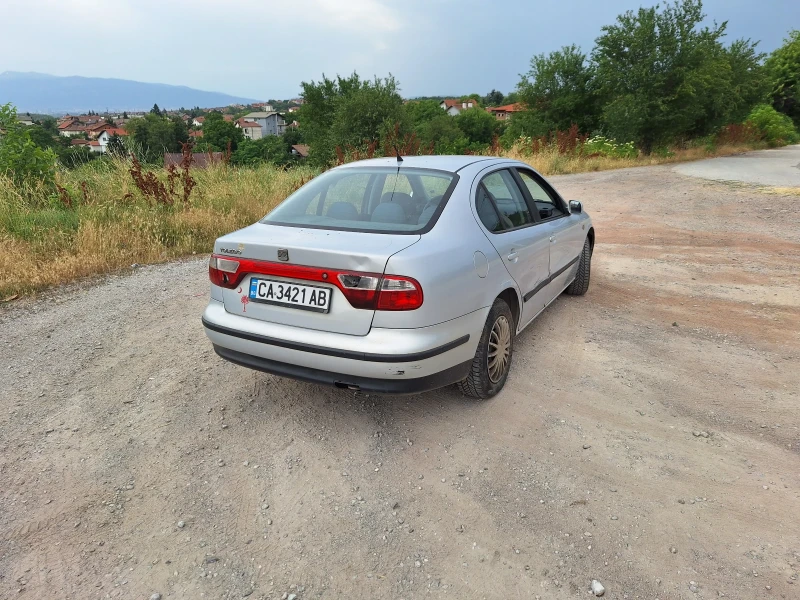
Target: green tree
477,125
349,111
783,72
443,132
41,137
270,149
50,124
493,98
217,132
20,158
155,110
151,136
662,78
116,146
559,89
777,128
423,111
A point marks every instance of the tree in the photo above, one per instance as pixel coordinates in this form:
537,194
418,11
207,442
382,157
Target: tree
783,73
152,135
125,115
50,124
348,111
477,125
116,147
422,111
217,132
443,132
20,158
41,137
155,110
493,98
271,149
662,78
559,89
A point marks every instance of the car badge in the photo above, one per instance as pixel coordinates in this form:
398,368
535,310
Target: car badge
283,254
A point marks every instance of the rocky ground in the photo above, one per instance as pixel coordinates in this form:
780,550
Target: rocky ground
647,438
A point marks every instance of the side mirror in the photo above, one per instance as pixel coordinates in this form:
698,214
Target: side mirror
575,206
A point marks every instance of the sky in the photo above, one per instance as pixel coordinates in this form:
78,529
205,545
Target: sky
263,49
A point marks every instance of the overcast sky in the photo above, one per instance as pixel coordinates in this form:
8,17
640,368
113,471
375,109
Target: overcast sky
263,48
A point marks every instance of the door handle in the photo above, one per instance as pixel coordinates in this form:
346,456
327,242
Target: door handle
513,256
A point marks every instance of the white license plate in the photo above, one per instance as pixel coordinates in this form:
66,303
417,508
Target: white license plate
293,295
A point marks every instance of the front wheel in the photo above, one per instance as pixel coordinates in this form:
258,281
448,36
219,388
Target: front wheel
492,360
581,283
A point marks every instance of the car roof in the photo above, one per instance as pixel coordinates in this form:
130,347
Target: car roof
451,163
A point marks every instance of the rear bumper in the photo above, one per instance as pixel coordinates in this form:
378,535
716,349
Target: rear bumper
365,384
392,361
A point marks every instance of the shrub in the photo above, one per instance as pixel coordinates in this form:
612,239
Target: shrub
777,129
603,146
20,158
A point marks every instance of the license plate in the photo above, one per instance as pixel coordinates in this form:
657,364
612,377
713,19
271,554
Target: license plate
293,295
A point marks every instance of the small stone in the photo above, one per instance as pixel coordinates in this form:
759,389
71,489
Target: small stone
769,587
674,550
265,506
696,433
704,434
417,564
681,501
674,323
614,518
597,588
246,463
693,587
443,480
612,489
181,524
291,596
587,533
586,446
269,521
766,487
155,596
395,506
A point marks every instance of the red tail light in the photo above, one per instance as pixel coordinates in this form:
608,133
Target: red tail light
369,291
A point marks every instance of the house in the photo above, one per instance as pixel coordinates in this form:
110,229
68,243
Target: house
251,129
300,150
70,128
264,106
502,113
271,122
96,147
97,129
453,106
105,136
198,121
25,119
196,133
294,109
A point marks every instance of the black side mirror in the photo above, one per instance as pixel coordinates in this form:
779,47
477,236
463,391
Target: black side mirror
575,206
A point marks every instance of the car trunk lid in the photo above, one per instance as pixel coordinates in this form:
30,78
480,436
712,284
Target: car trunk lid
327,249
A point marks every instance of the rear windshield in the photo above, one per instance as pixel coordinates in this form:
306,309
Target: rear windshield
381,199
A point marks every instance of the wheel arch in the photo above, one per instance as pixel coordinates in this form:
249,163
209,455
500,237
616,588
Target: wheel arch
510,296
590,235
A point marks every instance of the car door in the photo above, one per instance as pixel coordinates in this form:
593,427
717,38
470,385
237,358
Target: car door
501,207
563,232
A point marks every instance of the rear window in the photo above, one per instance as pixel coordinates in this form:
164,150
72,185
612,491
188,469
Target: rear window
378,200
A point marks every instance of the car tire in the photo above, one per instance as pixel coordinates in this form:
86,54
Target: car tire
581,283
489,371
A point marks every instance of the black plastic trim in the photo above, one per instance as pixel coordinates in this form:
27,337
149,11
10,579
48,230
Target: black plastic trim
547,281
366,384
352,355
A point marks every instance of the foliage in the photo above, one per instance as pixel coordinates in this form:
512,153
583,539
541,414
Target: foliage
270,149
116,147
603,146
493,98
477,125
662,78
776,128
421,112
20,158
152,135
559,92
349,111
444,133
783,71
218,133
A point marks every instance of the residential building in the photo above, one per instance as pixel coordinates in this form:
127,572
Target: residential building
264,106
25,119
453,106
106,135
300,150
198,121
251,129
271,122
70,128
502,113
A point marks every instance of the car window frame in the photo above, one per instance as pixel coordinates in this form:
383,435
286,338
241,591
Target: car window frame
454,179
558,201
525,197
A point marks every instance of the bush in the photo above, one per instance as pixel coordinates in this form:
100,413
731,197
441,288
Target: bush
20,158
603,146
776,128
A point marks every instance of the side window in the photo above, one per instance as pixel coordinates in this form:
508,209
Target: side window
546,206
500,203
346,190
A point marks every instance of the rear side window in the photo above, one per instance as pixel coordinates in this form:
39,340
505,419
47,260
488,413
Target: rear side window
500,203
380,200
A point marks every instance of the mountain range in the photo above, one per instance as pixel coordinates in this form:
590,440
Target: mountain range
42,93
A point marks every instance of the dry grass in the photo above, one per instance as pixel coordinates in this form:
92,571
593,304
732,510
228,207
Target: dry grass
111,225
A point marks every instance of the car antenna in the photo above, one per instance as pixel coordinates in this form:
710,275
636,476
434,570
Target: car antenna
397,151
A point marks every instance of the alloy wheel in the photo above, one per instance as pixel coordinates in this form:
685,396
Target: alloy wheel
499,349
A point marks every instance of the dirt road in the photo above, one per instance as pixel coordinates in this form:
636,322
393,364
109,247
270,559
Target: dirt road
647,438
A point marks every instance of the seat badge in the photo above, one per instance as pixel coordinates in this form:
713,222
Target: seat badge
283,254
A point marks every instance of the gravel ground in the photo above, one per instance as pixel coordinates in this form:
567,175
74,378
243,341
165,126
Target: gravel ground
647,437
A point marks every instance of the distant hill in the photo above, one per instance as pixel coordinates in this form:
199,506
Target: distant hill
41,93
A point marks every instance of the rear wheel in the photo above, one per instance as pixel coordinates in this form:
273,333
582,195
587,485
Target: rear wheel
493,358
581,283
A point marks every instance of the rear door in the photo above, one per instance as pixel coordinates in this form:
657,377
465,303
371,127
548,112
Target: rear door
500,206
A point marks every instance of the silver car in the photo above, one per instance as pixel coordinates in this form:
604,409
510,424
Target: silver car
398,275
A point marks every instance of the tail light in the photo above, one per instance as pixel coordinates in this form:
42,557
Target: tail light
369,291
224,272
